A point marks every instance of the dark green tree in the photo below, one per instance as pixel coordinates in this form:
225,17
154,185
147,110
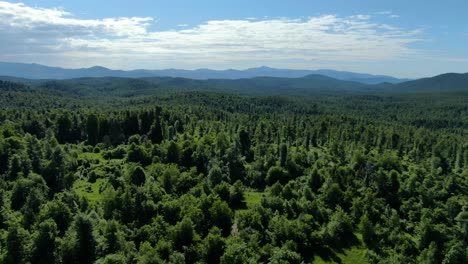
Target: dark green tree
173,152
92,129
17,245
221,215
79,244
64,126
138,176
44,242
155,132
183,233
213,246
283,155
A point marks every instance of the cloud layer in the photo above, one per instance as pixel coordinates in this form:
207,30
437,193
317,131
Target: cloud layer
37,33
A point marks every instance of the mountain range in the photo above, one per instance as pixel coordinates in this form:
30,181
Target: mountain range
37,71
313,84
99,81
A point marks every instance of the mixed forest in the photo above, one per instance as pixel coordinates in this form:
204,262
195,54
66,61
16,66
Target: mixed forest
123,171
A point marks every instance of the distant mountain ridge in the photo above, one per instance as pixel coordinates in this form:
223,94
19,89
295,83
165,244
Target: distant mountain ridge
37,71
312,84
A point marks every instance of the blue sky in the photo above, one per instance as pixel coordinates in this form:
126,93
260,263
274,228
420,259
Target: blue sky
400,38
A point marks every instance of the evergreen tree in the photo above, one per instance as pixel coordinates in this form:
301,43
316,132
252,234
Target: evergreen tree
44,242
92,129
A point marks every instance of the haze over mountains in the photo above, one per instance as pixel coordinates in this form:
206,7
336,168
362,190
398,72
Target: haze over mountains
312,84
100,81
37,71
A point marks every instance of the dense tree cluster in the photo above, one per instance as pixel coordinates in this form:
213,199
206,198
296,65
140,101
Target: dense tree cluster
272,182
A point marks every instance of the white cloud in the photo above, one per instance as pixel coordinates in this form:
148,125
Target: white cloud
360,17
387,12
47,21
29,33
388,27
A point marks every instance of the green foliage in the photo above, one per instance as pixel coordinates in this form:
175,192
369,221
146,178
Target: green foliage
44,242
283,155
277,174
113,238
137,153
213,246
216,178
17,245
333,195
221,216
339,229
457,254
236,195
173,152
215,175
79,243
183,233
237,252
92,129
285,255
367,230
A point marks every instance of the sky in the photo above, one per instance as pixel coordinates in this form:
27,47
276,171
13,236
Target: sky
409,39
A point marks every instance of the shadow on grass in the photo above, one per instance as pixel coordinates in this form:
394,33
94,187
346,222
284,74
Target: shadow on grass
339,245
330,253
327,254
240,206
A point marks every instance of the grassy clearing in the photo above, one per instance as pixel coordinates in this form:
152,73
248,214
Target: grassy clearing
252,198
88,190
91,156
353,255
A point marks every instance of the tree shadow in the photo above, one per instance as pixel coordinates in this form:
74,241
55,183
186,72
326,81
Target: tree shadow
330,253
239,206
340,245
327,254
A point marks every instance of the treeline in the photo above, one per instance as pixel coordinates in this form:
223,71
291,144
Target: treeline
434,110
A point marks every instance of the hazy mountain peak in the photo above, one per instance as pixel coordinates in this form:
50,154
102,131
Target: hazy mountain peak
97,68
37,71
262,68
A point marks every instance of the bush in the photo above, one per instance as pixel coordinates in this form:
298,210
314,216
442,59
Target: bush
277,174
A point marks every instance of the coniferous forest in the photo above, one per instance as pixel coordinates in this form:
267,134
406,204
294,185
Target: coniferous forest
136,171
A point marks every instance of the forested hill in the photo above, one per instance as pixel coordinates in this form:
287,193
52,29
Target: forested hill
128,87
313,84
443,82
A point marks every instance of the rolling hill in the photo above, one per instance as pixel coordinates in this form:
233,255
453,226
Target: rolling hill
443,82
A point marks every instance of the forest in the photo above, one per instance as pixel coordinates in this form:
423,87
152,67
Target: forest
111,170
